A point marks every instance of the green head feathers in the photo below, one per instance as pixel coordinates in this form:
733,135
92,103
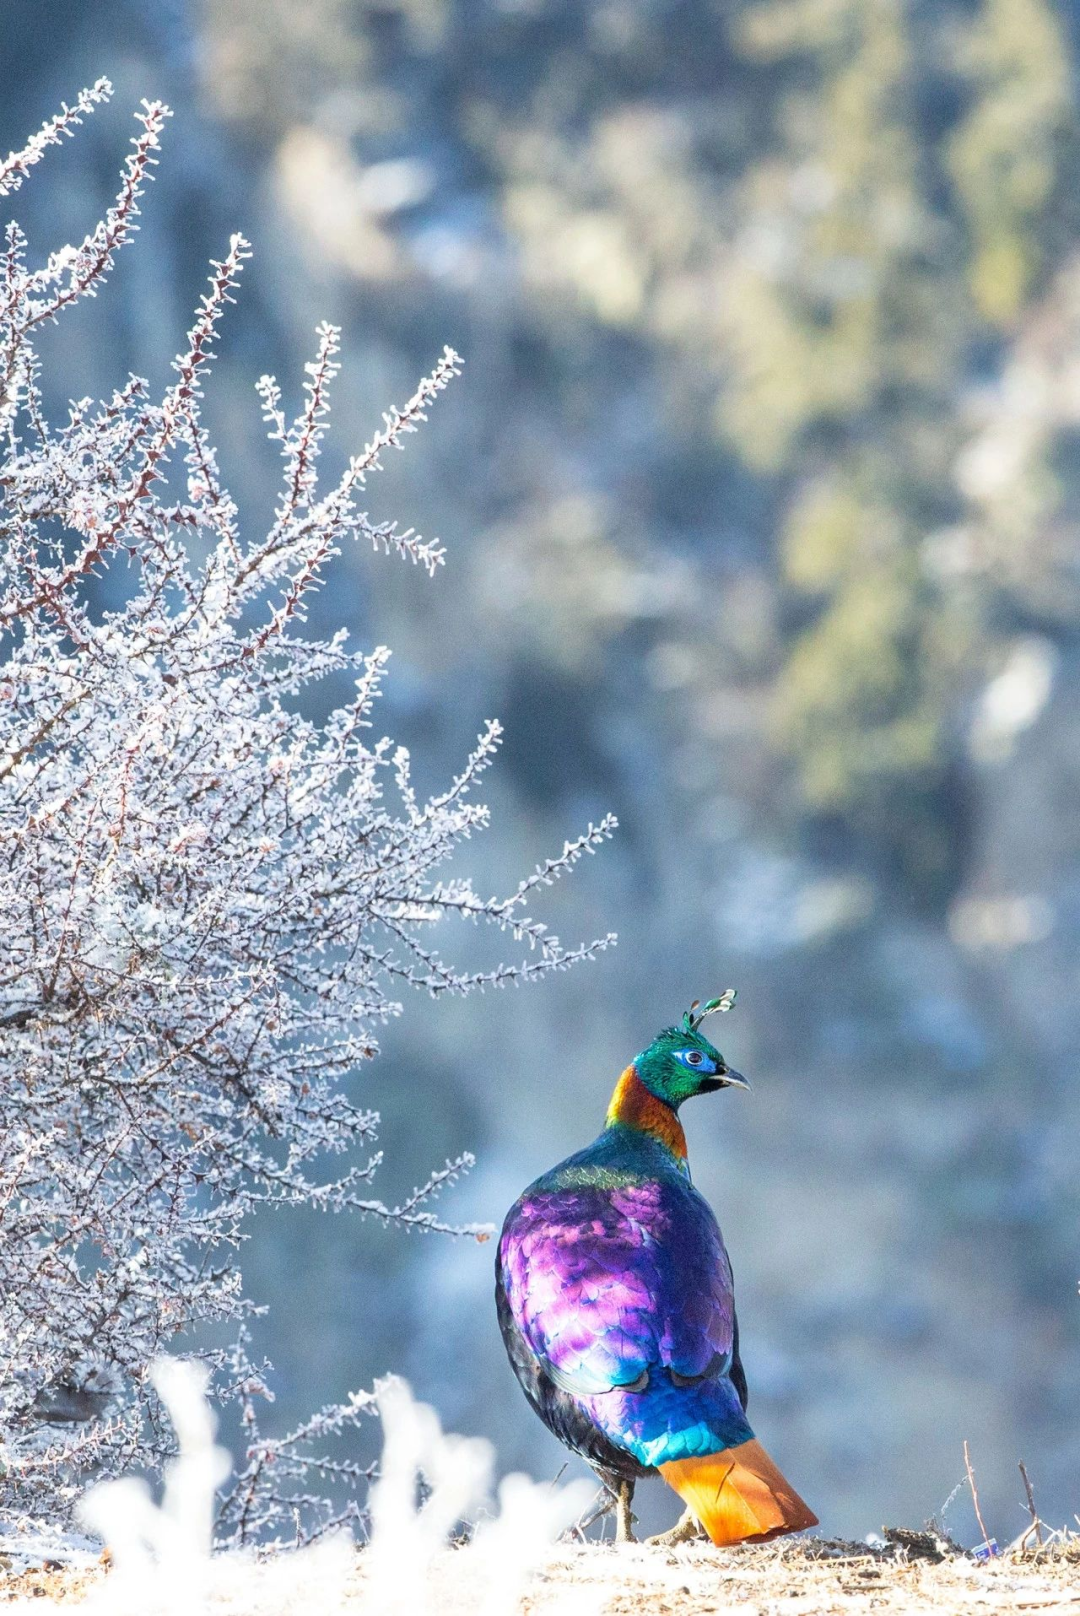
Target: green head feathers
680,1062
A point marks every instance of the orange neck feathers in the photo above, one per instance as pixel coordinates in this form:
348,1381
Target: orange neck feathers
634,1107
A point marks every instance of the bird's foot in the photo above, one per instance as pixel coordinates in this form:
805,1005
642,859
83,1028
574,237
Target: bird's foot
624,1516
685,1531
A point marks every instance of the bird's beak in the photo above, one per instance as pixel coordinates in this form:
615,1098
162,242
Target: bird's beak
723,1080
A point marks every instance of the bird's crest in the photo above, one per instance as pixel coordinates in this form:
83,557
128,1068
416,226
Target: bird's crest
693,1017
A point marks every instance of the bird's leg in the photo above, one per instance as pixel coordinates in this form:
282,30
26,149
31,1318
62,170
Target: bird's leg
624,1518
687,1528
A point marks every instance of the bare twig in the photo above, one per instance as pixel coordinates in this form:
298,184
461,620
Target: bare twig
602,1505
975,1494
1036,1524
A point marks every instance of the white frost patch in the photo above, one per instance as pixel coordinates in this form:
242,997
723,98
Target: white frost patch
38,1546
163,1564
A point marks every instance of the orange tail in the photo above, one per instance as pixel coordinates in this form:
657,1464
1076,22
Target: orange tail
738,1494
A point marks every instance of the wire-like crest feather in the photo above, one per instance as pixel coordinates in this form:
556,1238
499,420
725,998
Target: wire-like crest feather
694,1017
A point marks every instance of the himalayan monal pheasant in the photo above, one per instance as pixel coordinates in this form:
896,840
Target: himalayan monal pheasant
616,1304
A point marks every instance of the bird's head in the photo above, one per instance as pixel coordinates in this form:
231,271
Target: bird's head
680,1062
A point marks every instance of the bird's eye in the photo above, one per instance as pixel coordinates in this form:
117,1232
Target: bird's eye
694,1057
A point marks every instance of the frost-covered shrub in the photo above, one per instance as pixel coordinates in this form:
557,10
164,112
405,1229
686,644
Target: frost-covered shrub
208,902
431,1482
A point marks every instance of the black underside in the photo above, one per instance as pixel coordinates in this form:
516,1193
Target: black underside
560,1412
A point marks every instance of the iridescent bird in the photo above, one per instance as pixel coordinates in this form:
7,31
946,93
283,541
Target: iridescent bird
616,1304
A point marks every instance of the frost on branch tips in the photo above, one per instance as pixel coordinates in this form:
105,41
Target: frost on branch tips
209,903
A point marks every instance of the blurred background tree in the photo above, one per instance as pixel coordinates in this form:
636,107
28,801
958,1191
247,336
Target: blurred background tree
762,495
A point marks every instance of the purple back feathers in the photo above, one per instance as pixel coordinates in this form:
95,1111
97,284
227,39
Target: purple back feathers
609,1282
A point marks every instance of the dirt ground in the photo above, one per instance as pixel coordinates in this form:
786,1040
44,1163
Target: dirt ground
814,1579
61,1584
809,1578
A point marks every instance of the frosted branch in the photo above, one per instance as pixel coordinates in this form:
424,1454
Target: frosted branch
210,904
